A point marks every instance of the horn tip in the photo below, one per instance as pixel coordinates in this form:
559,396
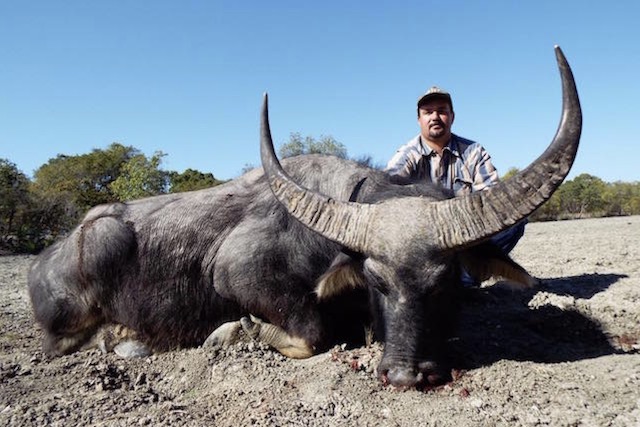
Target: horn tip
265,103
559,54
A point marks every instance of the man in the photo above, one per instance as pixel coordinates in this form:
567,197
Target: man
447,160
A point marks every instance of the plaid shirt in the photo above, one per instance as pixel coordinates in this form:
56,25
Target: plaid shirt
465,166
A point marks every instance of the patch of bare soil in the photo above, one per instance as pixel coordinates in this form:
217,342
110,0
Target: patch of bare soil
564,354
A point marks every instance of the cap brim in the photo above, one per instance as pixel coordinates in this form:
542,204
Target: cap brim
431,96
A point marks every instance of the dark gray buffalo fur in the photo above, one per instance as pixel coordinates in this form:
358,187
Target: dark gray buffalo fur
173,268
185,269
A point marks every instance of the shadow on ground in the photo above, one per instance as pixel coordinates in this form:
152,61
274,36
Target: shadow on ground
496,323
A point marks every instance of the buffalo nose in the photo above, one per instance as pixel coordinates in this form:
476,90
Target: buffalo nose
403,377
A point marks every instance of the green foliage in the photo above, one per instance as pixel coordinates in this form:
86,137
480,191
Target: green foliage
622,198
298,145
84,180
582,195
588,196
140,177
45,218
28,221
511,172
190,180
14,187
66,187
34,213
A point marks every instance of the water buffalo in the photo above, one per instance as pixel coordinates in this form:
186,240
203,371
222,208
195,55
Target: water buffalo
300,256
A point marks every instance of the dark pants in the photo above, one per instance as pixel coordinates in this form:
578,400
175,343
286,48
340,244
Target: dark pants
505,240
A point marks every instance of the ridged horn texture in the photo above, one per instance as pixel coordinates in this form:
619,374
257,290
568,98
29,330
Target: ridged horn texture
448,224
480,215
344,222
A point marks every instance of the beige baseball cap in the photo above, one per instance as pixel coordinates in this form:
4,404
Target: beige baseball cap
435,92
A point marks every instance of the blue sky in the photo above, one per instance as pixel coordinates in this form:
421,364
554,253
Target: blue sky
187,77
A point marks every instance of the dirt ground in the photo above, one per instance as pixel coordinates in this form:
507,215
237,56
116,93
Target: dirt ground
565,354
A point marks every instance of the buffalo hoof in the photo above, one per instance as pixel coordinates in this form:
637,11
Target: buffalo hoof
132,349
225,335
251,326
277,338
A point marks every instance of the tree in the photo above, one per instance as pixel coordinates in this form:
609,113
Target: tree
29,221
14,196
66,186
248,167
190,180
309,145
622,198
46,217
84,180
583,195
140,177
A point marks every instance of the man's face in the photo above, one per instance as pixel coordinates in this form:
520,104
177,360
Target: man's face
435,119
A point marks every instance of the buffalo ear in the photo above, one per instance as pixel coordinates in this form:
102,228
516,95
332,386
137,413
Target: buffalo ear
487,260
345,273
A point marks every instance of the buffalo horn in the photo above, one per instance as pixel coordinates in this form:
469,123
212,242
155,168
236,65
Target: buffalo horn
448,224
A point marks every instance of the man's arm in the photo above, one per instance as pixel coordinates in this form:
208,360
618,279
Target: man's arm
483,173
405,161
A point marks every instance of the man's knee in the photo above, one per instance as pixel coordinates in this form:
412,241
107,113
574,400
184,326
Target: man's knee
507,239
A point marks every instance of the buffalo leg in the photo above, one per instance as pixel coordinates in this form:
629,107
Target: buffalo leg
119,339
226,334
231,332
276,337
70,282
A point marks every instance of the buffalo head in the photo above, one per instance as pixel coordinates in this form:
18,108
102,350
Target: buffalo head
407,246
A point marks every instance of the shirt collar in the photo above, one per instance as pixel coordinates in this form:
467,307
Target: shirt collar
452,146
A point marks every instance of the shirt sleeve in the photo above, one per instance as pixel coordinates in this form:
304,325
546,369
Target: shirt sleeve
404,162
483,173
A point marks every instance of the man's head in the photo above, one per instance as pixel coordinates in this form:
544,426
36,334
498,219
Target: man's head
435,116
435,92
